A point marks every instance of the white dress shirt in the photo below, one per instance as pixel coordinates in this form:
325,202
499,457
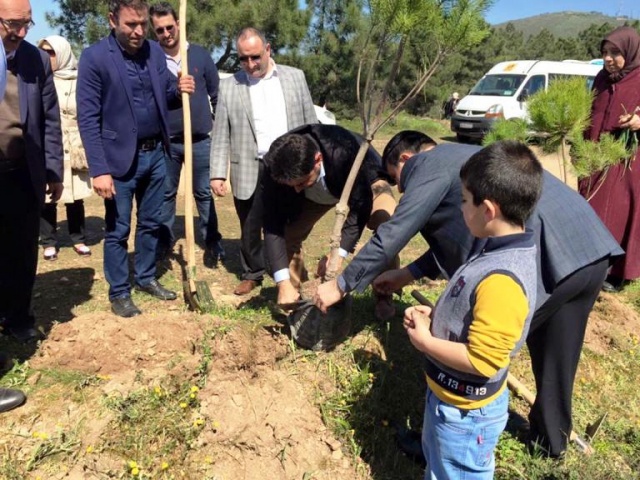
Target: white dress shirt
269,109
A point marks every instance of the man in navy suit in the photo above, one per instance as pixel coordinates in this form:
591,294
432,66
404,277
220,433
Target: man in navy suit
123,95
30,165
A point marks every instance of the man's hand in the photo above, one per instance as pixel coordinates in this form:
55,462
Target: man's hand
287,293
321,270
417,323
54,189
186,84
630,121
327,294
392,280
219,187
103,186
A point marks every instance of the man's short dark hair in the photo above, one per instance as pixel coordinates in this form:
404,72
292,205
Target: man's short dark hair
405,141
162,9
116,5
290,157
507,173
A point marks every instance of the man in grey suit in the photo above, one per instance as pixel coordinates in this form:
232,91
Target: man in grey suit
574,251
255,106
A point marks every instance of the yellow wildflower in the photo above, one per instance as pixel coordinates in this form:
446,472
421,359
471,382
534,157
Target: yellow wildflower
194,389
132,464
164,465
183,404
89,449
135,471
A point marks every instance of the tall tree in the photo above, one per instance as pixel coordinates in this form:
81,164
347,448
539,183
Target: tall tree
211,24
328,55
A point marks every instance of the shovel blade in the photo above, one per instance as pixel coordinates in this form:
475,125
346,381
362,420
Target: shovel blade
190,296
205,299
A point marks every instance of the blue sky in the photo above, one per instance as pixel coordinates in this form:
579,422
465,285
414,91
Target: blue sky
502,11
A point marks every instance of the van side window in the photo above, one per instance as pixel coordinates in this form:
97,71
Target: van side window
588,80
534,84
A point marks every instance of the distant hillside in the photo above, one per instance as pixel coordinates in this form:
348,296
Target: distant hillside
563,24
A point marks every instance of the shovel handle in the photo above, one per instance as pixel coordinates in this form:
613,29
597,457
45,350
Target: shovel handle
421,298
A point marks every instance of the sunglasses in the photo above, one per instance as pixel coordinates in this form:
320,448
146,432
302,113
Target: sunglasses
245,58
161,30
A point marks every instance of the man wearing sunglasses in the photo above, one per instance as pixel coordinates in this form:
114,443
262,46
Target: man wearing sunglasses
166,27
124,92
257,105
30,165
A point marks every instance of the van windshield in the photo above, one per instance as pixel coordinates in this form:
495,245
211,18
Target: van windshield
498,85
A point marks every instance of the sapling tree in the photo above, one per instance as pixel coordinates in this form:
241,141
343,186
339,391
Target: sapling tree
561,113
443,27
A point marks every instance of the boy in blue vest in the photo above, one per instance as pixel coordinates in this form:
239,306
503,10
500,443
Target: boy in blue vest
482,318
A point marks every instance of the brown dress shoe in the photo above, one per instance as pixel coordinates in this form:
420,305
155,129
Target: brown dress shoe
245,287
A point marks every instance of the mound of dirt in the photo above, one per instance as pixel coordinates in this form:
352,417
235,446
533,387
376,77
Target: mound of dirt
108,345
267,424
610,322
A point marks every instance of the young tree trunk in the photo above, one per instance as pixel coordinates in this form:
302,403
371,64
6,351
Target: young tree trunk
342,210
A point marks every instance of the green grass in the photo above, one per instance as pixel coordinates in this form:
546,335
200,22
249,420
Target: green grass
403,121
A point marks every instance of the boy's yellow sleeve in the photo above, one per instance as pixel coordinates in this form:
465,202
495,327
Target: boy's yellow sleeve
499,315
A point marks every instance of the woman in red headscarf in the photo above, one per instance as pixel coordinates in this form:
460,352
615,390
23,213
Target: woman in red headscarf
614,193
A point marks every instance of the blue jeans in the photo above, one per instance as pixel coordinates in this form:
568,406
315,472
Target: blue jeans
145,183
208,222
459,444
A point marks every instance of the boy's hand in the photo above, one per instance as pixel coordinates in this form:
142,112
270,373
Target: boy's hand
417,323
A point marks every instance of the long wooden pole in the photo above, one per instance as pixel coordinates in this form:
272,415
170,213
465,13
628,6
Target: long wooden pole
188,154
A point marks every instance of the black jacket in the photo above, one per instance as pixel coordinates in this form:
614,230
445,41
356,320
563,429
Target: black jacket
339,148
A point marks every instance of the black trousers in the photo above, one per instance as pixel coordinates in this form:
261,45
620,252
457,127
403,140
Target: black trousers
19,224
251,213
555,342
49,223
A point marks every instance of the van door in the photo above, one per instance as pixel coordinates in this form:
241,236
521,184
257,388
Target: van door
533,85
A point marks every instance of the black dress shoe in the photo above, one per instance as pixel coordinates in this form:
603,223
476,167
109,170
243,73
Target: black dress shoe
124,307
154,289
10,399
23,335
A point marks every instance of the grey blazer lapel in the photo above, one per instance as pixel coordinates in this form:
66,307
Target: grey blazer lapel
242,84
289,91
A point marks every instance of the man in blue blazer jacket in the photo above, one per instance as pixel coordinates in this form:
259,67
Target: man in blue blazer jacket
123,95
30,165
574,251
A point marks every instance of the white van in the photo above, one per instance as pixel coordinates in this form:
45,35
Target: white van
503,90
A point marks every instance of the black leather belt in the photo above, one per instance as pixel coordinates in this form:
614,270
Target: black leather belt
194,138
148,144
